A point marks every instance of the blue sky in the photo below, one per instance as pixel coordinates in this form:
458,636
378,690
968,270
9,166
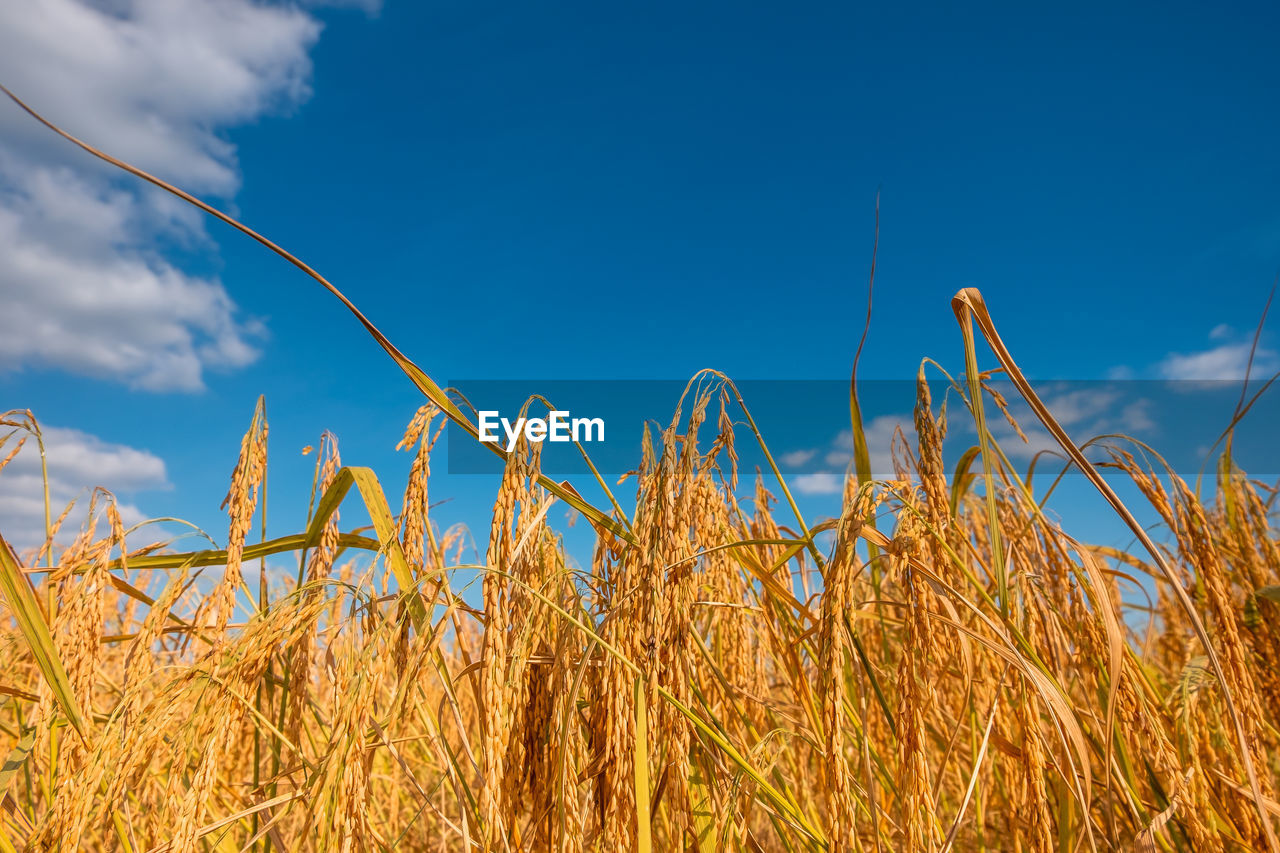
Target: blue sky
580,191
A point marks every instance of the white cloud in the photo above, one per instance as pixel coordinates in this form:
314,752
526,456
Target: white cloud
1073,405
879,433
1083,409
85,302
839,457
796,458
1136,417
1038,441
154,79
1120,372
838,454
155,82
77,463
1226,361
820,483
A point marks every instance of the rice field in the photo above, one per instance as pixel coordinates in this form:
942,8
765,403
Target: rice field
939,667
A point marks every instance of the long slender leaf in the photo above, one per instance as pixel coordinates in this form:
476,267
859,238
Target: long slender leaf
31,622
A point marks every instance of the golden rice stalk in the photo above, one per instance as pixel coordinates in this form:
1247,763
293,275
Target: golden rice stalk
240,503
414,520
917,695
502,664
837,599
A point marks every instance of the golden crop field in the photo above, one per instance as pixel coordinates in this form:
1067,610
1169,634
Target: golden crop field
955,672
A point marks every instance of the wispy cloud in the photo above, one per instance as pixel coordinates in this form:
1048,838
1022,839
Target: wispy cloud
1084,409
1071,406
796,458
1221,332
1225,361
1227,358
819,483
836,457
156,82
879,433
78,462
